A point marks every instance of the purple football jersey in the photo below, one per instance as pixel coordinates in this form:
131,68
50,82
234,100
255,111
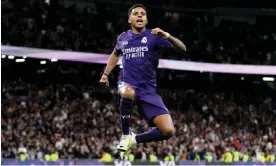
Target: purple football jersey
140,58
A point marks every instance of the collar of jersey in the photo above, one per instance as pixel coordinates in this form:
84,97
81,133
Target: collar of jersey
139,33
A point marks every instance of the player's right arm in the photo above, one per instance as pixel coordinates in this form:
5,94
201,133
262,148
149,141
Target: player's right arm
112,62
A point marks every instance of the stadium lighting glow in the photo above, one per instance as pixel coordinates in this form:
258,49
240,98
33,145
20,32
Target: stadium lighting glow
11,57
242,78
24,57
54,60
268,79
42,62
3,56
19,60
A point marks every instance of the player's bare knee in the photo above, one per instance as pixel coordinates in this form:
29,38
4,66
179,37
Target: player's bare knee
127,95
127,92
168,131
165,125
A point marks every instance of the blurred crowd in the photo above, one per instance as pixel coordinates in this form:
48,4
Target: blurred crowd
94,27
83,123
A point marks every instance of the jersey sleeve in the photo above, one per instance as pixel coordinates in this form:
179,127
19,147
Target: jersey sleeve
163,43
118,46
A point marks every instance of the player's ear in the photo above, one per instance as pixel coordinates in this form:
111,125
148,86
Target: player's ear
129,21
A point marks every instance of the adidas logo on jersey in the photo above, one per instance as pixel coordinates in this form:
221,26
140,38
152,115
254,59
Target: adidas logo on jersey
124,43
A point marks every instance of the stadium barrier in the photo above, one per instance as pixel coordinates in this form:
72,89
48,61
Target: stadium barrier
122,163
163,63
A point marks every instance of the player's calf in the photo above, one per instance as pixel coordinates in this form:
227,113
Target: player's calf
126,106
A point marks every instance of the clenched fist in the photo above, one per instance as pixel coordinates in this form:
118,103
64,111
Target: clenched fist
104,81
160,32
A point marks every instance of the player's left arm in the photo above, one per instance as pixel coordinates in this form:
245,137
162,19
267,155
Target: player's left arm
176,43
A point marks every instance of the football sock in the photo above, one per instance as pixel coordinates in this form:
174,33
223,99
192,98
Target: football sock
126,107
153,135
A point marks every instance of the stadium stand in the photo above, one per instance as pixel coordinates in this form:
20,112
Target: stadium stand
59,108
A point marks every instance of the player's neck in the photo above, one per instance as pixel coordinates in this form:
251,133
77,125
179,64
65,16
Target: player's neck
138,31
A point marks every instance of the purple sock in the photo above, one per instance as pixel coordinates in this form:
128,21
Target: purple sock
153,135
126,106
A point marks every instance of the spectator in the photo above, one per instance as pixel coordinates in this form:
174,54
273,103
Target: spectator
198,130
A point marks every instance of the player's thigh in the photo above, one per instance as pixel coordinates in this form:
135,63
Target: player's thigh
126,91
157,116
165,124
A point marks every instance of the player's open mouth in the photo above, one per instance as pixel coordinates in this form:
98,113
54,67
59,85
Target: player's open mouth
139,22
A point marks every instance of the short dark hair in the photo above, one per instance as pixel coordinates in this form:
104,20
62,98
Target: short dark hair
135,6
